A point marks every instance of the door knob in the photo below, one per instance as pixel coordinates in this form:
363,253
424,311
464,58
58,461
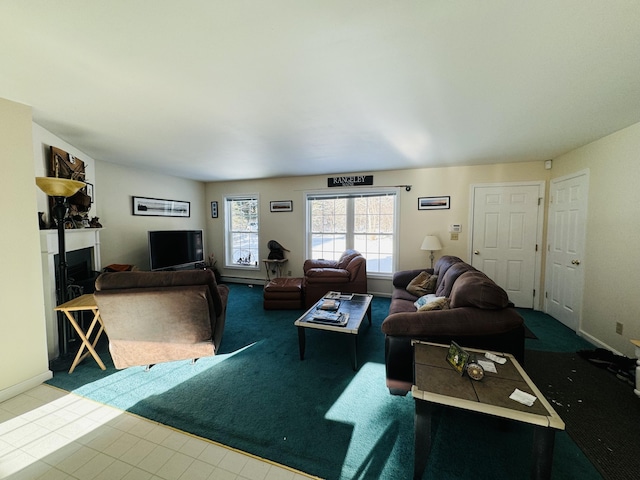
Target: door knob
575,262
476,252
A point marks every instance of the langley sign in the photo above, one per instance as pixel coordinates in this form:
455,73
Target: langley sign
350,181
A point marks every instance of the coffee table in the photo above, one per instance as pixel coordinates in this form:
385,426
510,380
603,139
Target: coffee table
356,305
437,383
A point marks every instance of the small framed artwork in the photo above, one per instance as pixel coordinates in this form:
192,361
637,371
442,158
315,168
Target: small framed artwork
433,203
281,206
457,357
158,207
214,209
89,190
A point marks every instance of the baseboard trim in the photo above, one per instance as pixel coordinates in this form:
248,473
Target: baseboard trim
17,389
598,343
246,281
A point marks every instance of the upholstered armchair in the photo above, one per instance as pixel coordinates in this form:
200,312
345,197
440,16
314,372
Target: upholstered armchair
155,317
348,274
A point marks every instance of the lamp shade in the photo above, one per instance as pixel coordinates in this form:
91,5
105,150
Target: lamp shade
432,243
59,187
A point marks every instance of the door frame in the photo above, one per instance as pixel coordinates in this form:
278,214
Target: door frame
586,173
538,299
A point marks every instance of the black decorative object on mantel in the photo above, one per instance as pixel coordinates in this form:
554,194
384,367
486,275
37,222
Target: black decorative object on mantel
42,223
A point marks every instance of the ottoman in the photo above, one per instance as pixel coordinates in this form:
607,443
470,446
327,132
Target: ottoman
283,293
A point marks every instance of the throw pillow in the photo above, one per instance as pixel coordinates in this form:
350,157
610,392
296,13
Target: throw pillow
439,303
424,299
423,284
475,289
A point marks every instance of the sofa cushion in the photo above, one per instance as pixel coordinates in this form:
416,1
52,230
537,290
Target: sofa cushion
140,279
402,278
475,289
424,299
327,275
422,284
346,258
450,277
442,265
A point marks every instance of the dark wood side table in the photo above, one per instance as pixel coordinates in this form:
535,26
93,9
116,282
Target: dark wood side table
357,306
436,382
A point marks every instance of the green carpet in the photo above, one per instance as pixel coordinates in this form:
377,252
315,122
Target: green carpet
316,415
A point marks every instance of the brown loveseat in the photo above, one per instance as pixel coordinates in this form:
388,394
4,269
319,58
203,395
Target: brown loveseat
479,316
154,317
348,274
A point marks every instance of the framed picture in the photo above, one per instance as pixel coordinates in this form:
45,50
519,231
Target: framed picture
281,206
433,203
457,357
89,188
214,209
158,207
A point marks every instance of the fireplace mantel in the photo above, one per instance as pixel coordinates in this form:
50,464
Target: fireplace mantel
75,239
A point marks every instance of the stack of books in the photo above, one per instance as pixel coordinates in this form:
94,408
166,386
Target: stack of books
328,304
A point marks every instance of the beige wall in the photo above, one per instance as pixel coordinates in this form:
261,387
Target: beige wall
612,260
23,350
288,227
124,237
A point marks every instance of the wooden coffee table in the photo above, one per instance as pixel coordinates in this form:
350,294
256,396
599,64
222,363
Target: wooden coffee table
436,382
357,307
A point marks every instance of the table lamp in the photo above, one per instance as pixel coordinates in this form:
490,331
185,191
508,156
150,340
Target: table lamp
431,243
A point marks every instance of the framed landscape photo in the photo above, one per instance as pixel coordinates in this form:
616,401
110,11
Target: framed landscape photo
457,357
433,203
214,209
158,207
281,206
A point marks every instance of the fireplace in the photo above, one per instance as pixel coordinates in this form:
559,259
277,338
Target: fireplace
86,240
81,273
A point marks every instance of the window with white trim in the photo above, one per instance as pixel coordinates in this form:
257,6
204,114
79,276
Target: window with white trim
242,231
364,221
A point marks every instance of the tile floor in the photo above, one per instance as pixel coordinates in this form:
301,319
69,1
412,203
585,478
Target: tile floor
51,434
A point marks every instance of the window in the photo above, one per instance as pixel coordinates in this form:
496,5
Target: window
363,221
241,219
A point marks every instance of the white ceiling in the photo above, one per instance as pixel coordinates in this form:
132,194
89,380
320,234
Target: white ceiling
237,89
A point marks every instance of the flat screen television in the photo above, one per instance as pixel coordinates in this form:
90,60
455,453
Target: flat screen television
174,249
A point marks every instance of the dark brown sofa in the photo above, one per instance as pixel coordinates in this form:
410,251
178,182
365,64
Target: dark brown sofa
480,316
348,274
154,317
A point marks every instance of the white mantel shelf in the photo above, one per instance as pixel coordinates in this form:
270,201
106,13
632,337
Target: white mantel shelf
75,239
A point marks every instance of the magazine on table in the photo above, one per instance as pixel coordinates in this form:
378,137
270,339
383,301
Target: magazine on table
338,319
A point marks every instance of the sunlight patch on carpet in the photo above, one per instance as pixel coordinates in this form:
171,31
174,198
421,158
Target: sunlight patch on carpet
377,423
125,388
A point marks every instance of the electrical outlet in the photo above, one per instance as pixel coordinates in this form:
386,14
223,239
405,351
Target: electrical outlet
289,273
619,328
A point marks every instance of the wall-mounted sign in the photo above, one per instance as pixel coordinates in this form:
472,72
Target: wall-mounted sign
350,181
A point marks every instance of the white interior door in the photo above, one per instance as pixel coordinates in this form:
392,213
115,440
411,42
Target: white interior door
565,251
505,235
